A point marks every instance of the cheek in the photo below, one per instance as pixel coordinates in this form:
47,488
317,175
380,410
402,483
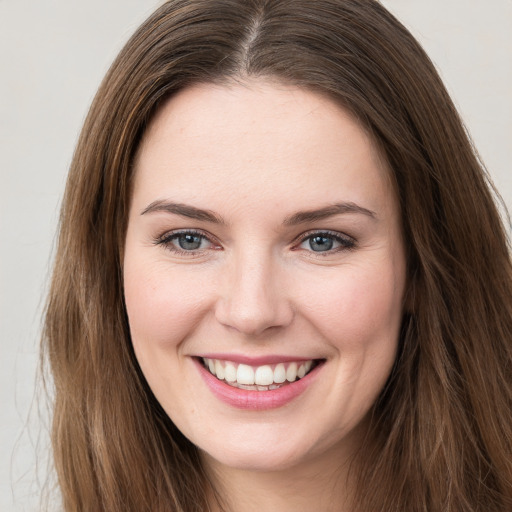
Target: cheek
359,308
162,305
359,315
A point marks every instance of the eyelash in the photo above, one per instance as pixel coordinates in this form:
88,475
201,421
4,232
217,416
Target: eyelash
346,242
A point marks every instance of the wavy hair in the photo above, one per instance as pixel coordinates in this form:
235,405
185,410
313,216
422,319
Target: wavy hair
441,430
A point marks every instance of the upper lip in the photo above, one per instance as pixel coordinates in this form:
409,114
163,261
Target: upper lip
255,361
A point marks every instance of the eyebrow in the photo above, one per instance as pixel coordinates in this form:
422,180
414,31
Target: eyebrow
183,210
328,211
191,212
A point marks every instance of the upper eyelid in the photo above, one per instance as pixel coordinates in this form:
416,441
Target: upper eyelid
328,232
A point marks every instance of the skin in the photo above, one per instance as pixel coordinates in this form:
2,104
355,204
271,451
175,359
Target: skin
255,154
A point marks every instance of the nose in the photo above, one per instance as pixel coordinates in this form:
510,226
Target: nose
254,297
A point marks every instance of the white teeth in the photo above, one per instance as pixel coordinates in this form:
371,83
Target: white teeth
291,372
230,372
264,376
245,374
279,374
219,370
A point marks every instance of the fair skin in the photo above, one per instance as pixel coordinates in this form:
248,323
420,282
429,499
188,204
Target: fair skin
226,266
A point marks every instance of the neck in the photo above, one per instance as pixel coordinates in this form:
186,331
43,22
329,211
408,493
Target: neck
319,484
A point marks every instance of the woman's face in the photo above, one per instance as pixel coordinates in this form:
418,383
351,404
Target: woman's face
263,245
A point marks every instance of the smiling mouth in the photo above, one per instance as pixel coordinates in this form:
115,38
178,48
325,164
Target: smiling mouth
266,377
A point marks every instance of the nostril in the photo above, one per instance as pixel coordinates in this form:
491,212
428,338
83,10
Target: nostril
252,323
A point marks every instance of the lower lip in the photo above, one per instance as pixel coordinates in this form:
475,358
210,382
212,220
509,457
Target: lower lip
256,400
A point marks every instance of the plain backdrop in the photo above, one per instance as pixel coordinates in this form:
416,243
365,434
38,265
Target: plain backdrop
53,54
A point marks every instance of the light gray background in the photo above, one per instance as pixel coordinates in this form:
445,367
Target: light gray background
53,54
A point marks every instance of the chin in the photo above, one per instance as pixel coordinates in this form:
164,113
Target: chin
253,458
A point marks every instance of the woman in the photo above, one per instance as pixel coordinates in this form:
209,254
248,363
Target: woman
281,281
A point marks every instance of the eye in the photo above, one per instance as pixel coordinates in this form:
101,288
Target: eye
187,242
326,242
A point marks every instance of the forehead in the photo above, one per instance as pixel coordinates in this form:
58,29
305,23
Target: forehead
259,138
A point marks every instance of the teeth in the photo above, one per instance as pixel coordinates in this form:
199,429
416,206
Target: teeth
291,372
245,374
279,374
219,370
230,372
261,378
264,376
244,386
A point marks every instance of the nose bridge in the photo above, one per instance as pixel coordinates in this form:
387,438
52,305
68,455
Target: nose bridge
254,298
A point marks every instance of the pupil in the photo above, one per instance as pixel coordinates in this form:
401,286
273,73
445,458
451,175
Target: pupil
189,242
321,243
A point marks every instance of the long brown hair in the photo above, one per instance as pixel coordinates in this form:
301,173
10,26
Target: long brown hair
442,428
